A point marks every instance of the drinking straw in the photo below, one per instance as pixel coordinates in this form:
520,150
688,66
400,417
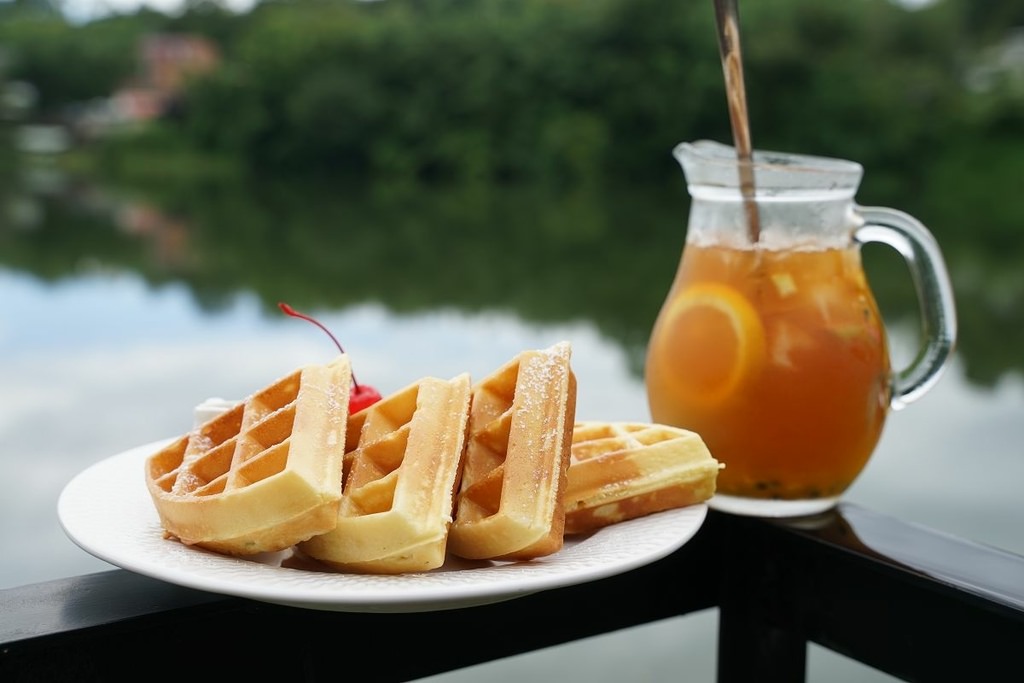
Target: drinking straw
728,21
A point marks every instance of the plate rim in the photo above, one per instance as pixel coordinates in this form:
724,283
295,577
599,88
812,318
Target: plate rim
347,592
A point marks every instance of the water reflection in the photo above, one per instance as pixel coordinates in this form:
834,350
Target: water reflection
597,255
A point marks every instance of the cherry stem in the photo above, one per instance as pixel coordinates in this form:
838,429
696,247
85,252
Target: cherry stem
295,314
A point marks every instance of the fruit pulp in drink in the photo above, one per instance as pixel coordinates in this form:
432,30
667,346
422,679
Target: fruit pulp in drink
778,359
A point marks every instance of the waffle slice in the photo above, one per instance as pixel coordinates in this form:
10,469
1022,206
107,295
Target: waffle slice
263,475
402,467
520,428
623,470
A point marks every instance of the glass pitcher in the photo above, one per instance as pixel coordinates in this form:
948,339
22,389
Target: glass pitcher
770,344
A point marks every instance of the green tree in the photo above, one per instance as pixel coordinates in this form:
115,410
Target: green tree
70,64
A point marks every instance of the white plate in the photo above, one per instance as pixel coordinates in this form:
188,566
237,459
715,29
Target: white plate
107,511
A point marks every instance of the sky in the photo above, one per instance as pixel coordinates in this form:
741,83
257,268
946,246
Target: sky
87,10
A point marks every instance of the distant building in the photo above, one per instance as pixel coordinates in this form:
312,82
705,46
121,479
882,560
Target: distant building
166,62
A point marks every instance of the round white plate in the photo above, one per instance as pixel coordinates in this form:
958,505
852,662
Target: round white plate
107,511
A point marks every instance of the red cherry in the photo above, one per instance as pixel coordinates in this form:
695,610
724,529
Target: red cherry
362,395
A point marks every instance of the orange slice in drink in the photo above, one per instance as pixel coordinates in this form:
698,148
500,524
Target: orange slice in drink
712,341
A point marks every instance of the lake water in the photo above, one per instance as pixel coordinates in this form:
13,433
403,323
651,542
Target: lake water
99,355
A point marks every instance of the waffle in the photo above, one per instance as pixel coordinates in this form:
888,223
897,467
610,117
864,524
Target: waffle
263,475
509,505
402,466
623,470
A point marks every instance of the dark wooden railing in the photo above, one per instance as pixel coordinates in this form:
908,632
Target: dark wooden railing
903,599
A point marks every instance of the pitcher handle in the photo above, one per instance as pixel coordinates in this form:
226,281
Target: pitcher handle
917,245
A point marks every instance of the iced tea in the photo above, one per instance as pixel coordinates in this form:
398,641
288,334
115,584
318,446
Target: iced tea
778,359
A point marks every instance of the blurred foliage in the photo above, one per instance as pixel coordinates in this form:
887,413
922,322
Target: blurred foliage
70,64
548,90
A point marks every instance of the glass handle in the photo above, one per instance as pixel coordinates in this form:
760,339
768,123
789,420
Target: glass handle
919,249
